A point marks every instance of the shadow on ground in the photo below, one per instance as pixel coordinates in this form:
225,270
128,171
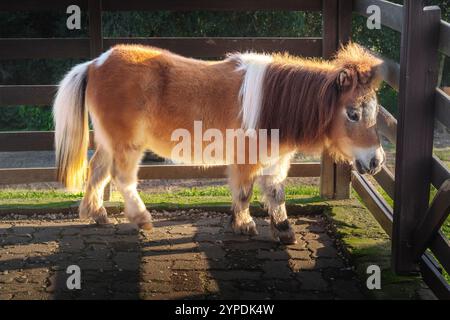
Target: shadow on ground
189,255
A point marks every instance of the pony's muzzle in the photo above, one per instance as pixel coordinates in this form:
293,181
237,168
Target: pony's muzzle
372,163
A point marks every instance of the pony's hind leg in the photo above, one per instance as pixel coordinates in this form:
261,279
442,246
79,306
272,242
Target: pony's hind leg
241,184
124,172
272,188
91,205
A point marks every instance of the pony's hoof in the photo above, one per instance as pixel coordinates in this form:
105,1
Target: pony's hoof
287,238
283,232
246,228
143,220
147,226
100,216
101,220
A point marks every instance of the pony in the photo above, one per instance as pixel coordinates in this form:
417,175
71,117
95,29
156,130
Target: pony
137,96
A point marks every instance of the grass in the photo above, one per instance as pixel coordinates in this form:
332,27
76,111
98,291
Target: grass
204,196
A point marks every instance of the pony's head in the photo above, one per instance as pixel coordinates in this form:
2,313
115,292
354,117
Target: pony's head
353,135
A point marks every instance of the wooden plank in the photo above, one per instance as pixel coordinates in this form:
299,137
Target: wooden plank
13,141
391,13
30,175
217,47
390,71
96,48
212,5
329,27
343,174
329,45
419,61
175,5
27,94
385,179
305,169
373,201
439,172
345,12
444,38
442,107
433,219
387,124
433,278
42,5
43,48
440,247
95,27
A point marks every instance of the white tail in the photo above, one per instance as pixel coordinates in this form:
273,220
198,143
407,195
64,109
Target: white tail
70,116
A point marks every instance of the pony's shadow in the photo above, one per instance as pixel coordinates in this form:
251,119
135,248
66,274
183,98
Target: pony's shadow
107,257
202,259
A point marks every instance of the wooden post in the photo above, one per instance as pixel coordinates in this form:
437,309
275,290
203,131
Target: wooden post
418,79
96,48
343,174
337,17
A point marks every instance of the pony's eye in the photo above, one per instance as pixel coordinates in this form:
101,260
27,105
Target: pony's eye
353,114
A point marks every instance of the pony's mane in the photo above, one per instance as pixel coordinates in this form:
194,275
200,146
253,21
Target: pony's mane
299,98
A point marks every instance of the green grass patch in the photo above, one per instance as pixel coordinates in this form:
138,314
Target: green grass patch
189,197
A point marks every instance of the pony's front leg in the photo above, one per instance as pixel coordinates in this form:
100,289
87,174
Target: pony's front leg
124,172
241,185
272,188
91,205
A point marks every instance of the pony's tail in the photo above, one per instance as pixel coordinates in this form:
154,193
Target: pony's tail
70,116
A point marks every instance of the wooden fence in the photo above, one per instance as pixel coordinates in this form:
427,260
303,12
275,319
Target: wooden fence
413,224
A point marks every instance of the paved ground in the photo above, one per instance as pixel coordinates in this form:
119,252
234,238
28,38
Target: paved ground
189,255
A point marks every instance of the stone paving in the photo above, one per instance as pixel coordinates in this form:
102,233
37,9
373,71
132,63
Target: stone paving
188,255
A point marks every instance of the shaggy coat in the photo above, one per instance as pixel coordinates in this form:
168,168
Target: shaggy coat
138,96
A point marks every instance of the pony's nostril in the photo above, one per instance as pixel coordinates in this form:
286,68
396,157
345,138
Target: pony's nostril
374,163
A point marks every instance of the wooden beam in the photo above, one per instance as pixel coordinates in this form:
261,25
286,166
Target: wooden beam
439,172
31,175
42,5
373,201
385,179
212,5
444,38
43,48
12,141
391,13
432,220
343,174
390,71
387,124
329,45
442,108
440,247
433,278
95,27
27,95
419,61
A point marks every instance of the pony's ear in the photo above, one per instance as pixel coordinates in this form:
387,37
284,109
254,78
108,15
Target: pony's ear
367,76
345,79
363,65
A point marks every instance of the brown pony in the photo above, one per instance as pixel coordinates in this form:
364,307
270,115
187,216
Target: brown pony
138,96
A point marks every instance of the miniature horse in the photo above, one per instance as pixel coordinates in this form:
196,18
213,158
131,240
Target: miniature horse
137,96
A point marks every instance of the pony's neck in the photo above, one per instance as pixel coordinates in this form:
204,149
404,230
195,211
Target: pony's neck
299,98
